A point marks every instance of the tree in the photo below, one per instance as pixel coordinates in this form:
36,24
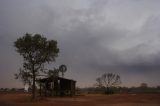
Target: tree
62,69
53,73
107,81
143,85
36,50
24,76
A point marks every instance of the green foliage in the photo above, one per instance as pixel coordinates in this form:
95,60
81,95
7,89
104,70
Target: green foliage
53,73
24,76
36,51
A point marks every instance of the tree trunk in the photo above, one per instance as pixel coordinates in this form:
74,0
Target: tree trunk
33,86
107,90
40,89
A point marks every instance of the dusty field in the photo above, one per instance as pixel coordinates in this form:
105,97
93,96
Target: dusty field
22,99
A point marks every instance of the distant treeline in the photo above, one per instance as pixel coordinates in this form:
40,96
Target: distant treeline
12,90
141,89
97,90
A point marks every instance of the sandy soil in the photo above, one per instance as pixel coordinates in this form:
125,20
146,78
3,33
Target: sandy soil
22,99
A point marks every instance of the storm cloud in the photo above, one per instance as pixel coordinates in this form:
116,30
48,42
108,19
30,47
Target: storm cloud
94,37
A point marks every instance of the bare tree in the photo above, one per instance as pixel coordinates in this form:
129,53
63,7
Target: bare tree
108,80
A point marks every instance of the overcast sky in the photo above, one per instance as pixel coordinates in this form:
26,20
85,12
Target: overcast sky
94,37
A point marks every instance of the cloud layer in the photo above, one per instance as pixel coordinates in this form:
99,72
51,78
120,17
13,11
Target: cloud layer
94,37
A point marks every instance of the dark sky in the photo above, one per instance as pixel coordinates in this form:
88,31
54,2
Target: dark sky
94,37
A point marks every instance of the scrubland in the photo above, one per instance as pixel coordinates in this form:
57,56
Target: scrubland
24,99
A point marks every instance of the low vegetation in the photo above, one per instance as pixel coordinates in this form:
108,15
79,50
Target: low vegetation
23,99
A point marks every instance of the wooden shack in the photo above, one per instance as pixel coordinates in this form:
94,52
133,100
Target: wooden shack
57,86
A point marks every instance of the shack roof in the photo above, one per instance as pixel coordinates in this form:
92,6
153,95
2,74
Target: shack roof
53,78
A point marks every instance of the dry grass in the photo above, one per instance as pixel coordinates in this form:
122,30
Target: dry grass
22,99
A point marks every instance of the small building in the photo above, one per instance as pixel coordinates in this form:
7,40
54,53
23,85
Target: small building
57,86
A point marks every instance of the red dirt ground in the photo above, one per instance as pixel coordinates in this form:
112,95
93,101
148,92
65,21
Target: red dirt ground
22,99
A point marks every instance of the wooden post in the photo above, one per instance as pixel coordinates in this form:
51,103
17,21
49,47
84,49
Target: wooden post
45,90
40,89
